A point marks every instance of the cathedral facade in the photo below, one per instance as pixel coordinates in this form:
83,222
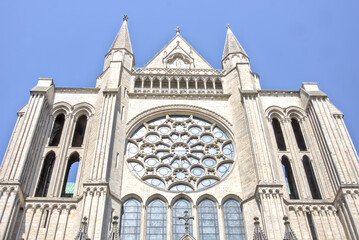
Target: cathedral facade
178,150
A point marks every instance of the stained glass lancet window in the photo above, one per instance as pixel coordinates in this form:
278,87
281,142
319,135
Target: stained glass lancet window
178,226
130,220
156,220
208,220
180,153
233,220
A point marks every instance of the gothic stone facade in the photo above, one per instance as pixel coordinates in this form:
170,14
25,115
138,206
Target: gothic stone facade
146,140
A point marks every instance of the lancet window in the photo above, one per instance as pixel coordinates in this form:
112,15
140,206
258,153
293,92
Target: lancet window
156,220
208,220
312,181
289,178
298,135
278,134
313,232
233,220
130,220
57,128
70,175
79,133
178,227
45,175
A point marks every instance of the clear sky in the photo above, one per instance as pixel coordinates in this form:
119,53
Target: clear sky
288,42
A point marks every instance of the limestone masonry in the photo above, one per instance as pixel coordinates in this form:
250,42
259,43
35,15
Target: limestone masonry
178,150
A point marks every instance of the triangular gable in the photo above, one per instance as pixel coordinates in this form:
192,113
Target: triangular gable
187,237
178,45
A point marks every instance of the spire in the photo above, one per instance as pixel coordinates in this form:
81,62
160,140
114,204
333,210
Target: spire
288,234
258,233
232,45
122,40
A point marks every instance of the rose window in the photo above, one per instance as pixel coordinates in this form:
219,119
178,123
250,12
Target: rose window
180,153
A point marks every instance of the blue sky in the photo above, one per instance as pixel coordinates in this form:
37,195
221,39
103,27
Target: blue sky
288,42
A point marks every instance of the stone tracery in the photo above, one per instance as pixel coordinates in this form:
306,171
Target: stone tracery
180,153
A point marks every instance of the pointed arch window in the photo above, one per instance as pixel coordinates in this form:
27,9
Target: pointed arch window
165,84
156,220
192,84
218,85
156,83
70,175
289,178
209,85
313,232
130,220
233,220
208,220
278,134
45,175
312,181
147,83
57,128
138,83
178,227
298,135
80,130
200,84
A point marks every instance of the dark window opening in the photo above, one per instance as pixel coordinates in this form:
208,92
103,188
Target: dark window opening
156,83
70,176
209,85
165,83
45,176
174,84
147,83
298,135
79,133
57,130
289,178
183,84
138,83
312,181
192,84
311,226
200,84
218,85
278,135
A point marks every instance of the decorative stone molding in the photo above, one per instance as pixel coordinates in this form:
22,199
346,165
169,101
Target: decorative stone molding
176,71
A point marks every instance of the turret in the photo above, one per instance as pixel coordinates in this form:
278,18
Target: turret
234,56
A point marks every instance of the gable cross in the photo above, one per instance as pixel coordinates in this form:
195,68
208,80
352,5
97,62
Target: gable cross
125,17
186,218
178,30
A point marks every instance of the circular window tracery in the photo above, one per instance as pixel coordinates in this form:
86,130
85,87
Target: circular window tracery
180,153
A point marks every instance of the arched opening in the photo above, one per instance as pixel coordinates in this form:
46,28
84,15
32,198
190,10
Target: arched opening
156,220
192,84
55,136
156,83
233,220
68,186
200,84
209,85
130,220
165,84
174,85
278,134
289,178
178,210
218,85
208,220
45,175
138,83
313,232
79,133
312,181
298,134
147,83
183,84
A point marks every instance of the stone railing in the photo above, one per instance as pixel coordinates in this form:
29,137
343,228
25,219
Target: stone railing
177,71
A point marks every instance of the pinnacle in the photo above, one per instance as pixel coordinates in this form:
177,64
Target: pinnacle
122,40
232,45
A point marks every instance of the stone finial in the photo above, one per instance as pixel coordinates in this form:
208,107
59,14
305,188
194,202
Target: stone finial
82,234
125,17
115,231
178,30
288,234
258,233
